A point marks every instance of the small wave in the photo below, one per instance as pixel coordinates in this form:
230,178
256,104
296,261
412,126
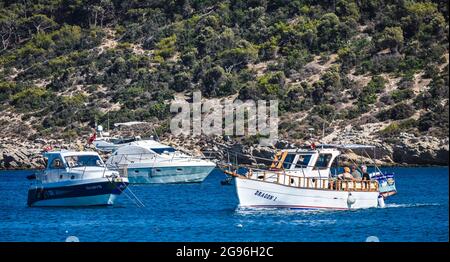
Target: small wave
393,205
312,222
272,211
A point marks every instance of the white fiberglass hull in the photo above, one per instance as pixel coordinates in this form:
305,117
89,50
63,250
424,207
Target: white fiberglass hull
168,174
90,192
98,200
252,193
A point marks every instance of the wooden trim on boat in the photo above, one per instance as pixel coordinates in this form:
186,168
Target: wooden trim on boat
317,183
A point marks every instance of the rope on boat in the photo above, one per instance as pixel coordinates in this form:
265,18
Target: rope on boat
140,202
135,199
267,159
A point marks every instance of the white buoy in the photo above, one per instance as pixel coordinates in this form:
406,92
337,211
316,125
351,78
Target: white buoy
351,199
381,203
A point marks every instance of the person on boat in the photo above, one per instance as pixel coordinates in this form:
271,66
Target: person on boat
346,175
355,173
57,163
365,174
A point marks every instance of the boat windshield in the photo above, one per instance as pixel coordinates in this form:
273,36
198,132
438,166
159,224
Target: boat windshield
288,161
322,161
163,149
86,160
303,161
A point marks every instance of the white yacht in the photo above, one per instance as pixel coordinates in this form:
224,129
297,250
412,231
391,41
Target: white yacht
75,179
302,179
106,143
148,161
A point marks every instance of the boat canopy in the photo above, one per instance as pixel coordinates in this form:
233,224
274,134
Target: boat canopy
132,123
133,150
64,153
346,146
148,147
61,155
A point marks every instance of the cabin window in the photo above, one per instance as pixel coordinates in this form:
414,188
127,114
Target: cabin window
322,161
83,160
163,149
57,164
303,161
288,161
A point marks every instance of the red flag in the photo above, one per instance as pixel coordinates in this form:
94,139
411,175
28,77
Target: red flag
92,138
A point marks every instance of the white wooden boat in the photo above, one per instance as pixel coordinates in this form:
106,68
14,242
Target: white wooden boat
301,179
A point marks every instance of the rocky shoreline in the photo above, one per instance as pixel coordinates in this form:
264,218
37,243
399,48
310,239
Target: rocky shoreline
406,150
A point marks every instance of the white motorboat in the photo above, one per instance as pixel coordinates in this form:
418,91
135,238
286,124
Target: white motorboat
75,179
148,161
106,143
302,179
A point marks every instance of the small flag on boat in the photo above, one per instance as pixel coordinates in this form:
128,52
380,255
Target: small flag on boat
47,148
92,138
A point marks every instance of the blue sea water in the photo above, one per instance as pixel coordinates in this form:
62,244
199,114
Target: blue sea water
207,212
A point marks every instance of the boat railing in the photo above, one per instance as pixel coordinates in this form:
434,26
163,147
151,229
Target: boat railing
131,158
315,182
283,178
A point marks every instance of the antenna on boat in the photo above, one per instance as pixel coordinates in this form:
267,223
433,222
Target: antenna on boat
156,134
323,132
107,126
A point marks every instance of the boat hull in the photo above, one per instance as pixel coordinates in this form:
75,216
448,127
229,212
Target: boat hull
260,194
92,192
163,175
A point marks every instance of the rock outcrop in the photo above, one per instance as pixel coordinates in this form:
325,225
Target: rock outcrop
406,149
13,157
424,150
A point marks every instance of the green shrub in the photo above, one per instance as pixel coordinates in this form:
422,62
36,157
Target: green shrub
397,112
31,98
392,129
239,57
376,84
401,95
6,90
166,47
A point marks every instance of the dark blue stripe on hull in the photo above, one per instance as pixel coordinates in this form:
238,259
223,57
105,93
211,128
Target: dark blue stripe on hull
91,189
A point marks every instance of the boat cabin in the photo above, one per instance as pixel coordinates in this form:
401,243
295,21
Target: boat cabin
140,151
143,148
306,162
69,159
69,165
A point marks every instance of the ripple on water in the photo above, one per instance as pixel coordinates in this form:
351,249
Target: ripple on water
208,212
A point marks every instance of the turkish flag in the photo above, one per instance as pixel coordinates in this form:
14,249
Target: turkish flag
92,138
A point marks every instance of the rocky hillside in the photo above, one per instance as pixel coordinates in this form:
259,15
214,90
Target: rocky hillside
368,71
